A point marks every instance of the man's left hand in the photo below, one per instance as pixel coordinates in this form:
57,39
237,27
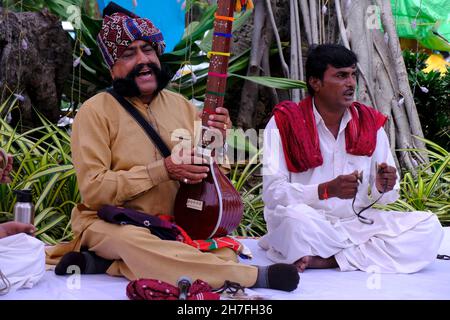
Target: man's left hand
221,120
386,177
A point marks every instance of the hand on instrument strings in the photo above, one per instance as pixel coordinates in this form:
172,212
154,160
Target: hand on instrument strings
13,227
386,177
4,172
187,169
344,186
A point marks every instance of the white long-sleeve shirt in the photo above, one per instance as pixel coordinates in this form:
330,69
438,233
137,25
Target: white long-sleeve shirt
282,187
300,224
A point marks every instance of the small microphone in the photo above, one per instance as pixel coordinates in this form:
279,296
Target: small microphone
184,284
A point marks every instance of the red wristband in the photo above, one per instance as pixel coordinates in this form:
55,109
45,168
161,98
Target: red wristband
325,191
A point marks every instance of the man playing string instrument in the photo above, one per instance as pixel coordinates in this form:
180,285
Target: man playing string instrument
116,164
326,161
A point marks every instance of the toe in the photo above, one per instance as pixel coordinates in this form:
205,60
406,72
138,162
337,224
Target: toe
302,263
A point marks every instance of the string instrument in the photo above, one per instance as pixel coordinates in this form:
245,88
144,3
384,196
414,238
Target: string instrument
212,208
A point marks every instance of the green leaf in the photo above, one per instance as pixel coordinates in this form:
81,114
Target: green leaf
436,176
274,82
46,213
49,186
53,170
50,225
238,140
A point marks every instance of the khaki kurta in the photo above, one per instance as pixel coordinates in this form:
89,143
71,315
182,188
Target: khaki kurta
117,164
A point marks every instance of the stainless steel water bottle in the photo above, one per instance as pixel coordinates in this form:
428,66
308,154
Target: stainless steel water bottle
24,207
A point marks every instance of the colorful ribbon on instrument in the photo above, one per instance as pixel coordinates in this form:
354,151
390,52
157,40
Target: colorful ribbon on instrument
225,35
216,53
208,111
225,18
218,75
242,5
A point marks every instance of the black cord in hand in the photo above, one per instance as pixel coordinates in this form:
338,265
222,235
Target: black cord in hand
361,218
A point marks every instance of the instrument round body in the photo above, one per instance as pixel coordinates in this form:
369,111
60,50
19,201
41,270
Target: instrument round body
212,208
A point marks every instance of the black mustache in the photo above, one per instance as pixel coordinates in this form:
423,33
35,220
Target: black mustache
127,86
137,69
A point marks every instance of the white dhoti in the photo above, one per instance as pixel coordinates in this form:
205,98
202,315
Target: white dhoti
397,242
22,262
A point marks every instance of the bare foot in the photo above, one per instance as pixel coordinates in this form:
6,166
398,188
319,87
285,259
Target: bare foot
315,262
303,263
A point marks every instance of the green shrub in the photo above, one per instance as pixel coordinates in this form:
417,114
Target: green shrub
431,96
249,186
42,162
430,189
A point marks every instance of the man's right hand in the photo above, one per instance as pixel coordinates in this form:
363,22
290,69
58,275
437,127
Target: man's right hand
343,187
187,173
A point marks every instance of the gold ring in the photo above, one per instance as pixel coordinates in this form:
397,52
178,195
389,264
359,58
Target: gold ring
225,126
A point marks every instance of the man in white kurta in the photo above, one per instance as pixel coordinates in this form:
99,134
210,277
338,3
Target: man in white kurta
300,224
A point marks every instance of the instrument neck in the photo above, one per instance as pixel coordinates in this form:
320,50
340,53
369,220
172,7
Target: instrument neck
219,58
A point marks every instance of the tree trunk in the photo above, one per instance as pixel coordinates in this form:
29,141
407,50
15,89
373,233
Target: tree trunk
256,99
382,80
402,77
35,61
250,95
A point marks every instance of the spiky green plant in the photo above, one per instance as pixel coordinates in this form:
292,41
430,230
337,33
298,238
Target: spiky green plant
253,223
429,190
42,162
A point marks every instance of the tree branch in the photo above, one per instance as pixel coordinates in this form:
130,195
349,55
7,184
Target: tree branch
306,20
313,16
402,77
344,37
277,37
250,92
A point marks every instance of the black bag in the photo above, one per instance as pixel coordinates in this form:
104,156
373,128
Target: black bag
164,230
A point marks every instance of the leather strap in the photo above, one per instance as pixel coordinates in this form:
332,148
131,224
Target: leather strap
151,133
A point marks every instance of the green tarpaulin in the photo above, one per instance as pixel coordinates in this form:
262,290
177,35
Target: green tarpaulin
428,21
